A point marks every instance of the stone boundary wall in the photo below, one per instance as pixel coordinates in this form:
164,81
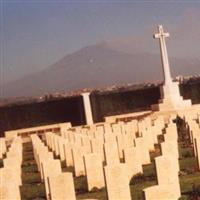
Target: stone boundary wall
42,113
71,108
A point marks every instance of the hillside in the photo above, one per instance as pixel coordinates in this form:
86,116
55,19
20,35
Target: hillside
97,66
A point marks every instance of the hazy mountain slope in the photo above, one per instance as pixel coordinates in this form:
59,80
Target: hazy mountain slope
97,66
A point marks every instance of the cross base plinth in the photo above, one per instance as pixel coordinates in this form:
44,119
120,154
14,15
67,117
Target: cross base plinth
171,99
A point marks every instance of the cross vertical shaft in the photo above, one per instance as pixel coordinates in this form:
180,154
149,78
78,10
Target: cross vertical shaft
161,35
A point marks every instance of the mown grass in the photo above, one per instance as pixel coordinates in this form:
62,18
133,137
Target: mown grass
147,179
32,187
32,191
189,178
137,189
1,163
188,182
188,164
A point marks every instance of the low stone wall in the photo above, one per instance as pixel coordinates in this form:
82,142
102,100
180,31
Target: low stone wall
103,104
42,113
121,102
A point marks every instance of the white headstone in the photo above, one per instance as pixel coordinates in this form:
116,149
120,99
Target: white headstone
62,187
111,153
117,182
133,160
77,154
94,171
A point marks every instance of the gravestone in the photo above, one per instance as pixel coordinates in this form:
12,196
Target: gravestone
62,187
99,129
159,193
149,139
121,144
43,154
77,155
168,181
116,128
71,136
78,139
56,144
61,142
170,148
94,171
9,184
197,147
99,135
3,148
86,144
68,154
10,191
117,182
109,137
129,139
143,149
133,160
111,153
15,166
97,147
167,176
107,128
50,168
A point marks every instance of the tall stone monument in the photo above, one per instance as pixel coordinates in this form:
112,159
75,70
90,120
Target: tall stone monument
170,94
87,108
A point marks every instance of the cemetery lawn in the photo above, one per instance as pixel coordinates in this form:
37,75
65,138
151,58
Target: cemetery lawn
189,176
1,163
31,188
187,182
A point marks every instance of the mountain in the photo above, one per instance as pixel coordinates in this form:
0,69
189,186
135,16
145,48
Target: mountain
97,66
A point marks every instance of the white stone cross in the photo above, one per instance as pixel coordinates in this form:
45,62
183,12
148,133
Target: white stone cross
161,35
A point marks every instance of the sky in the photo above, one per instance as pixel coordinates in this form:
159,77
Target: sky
36,33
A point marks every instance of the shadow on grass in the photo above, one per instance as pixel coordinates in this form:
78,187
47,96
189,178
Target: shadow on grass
1,163
31,188
32,191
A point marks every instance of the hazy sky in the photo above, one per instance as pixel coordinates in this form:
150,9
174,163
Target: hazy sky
36,33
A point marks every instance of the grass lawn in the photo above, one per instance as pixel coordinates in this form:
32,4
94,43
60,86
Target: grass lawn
1,163
189,178
31,188
187,182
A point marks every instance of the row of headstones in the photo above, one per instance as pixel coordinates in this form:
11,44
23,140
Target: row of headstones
124,127
85,163
3,147
167,169
107,134
172,189
99,176
112,146
58,184
194,130
10,174
91,164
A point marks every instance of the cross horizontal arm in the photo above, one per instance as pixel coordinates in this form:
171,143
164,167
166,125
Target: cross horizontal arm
159,35
166,34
